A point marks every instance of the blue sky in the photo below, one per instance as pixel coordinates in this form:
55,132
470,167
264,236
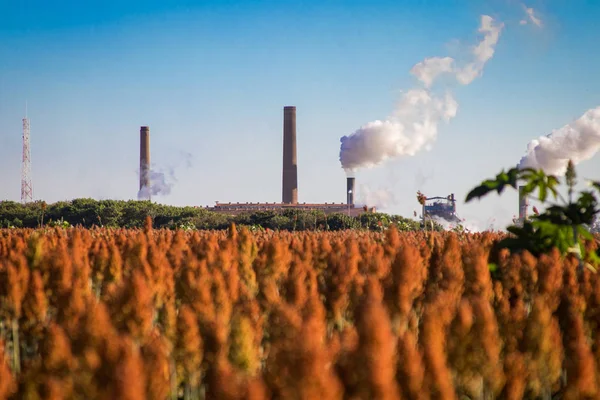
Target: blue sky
211,80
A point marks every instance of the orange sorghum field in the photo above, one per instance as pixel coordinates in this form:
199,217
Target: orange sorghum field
160,314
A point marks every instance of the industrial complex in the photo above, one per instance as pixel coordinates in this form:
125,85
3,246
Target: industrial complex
441,207
289,195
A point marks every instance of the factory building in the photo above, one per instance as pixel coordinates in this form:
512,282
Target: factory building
327,208
289,187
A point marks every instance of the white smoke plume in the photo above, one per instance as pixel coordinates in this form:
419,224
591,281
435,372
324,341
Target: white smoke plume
531,17
163,180
483,52
379,198
468,224
161,183
447,225
429,69
577,141
414,123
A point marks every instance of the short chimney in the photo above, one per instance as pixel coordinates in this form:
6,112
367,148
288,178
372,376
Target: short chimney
350,191
523,203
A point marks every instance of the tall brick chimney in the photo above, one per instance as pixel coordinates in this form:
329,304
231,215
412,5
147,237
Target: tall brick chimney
290,164
145,161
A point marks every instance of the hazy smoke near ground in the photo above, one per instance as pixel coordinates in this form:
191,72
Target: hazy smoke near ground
378,198
163,180
414,124
469,224
447,225
161,183
577,141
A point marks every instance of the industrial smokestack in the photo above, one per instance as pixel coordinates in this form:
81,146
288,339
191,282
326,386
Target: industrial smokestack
290,164
144,163
350,190
523,203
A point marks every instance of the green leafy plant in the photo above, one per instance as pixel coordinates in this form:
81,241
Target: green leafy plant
564,226
459,228
61,223
187,226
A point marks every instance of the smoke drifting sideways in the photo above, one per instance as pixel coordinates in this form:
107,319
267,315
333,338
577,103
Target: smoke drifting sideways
469,225
413,126
162,181
577,141
531,16
378,198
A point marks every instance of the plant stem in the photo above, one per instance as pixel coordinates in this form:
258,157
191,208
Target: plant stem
173,379
16,347
576,239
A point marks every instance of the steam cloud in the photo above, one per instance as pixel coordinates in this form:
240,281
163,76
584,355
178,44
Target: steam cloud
414,124
378,198
577,141
470,225
161,183
531,17
163,180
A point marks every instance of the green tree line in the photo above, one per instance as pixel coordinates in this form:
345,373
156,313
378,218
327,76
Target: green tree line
132,214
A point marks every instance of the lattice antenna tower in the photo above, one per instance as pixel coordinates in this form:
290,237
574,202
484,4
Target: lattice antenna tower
26,187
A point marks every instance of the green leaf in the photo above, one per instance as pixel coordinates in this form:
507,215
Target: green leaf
552,183
503,179
585,233
559,226
478,192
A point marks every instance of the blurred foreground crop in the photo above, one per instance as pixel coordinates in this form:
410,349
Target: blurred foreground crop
163,314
